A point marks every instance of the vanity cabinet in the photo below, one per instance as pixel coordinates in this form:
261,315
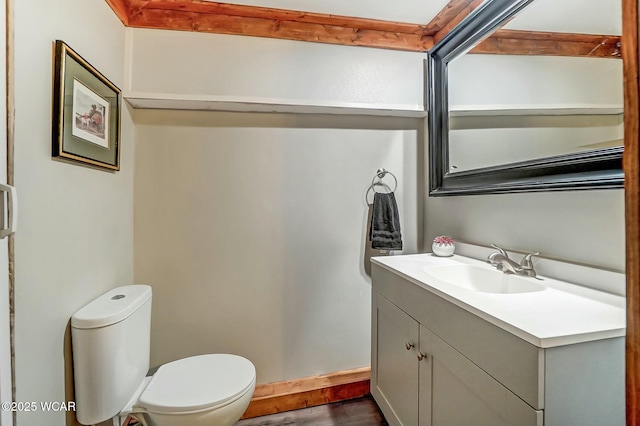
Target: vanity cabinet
437,364
418,379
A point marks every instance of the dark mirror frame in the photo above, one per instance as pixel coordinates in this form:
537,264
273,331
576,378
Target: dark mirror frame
594,169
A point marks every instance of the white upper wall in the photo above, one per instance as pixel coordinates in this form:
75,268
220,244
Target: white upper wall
76,223
571,16
534,80
479,82
188,65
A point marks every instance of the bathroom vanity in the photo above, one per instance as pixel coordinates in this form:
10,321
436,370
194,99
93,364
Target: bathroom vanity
455,342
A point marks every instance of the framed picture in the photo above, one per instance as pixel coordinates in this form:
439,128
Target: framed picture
86,112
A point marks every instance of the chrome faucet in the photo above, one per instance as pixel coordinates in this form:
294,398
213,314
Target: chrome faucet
503,263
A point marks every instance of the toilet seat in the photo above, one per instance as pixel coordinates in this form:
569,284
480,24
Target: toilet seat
199,383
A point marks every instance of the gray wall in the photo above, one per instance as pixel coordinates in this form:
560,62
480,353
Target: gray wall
581,226
75,237
251,228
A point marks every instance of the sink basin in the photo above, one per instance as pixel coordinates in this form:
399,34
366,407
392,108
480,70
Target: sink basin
475,278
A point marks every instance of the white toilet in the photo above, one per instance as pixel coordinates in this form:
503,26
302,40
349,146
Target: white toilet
110,339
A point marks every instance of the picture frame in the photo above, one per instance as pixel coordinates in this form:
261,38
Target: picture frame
86,112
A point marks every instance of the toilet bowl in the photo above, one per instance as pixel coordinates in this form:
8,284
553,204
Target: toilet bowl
212,389
111,345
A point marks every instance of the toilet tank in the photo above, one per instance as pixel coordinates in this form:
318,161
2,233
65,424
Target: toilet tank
110,342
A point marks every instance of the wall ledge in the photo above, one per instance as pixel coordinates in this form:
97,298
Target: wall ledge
249,104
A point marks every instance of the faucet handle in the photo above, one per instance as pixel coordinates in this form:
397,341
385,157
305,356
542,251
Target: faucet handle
501,250
526,262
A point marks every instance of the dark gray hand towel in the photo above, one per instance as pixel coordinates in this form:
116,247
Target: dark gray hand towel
385,223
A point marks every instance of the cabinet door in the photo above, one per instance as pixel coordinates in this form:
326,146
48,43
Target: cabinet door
455,391
394,372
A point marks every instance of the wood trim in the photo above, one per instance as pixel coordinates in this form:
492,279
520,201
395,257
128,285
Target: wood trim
276,28
130,421
233,19
557,36
631,166
512,42
121,9
10,123
463,13
282,15
290,395
446,15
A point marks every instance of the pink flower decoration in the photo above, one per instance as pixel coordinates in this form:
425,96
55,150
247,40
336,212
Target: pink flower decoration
443,239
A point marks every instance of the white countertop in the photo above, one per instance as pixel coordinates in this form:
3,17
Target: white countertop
561,314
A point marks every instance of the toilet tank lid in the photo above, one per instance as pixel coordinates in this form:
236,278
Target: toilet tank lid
112,307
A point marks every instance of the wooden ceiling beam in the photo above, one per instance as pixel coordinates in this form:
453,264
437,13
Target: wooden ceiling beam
136,5
451,11
513,42
462,13
541,35
225,18
121,9
228,9
149,17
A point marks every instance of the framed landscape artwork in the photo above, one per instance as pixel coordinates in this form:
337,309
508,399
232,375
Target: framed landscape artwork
86,112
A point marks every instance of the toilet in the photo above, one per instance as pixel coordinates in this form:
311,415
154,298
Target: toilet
111,344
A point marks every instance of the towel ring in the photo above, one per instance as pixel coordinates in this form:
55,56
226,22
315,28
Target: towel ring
380,174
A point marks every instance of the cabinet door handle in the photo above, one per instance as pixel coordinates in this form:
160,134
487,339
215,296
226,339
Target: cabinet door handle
409,345
421,356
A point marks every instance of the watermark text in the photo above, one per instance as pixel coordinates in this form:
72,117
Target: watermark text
38,406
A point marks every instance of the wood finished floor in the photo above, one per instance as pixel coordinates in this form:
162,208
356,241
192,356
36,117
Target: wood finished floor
356,412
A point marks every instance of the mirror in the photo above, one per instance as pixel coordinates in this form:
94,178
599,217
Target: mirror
537,106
